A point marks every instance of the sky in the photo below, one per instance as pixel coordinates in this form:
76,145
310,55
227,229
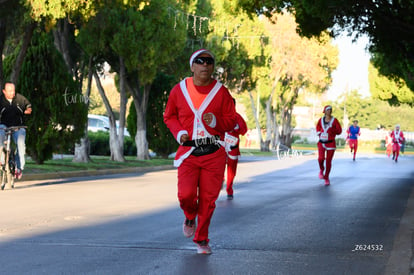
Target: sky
352,71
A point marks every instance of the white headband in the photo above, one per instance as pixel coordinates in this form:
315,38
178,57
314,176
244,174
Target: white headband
197,53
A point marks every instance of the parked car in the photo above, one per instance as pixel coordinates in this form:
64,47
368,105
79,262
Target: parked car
101,123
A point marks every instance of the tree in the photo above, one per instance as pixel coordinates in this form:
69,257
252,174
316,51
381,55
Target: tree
17,29
297,64
59,114
373,113
293,64
388,24
75,60
132,41
23,16
160,139
394,92
240,47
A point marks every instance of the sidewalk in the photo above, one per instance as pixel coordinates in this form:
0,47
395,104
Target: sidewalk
402,251
27,177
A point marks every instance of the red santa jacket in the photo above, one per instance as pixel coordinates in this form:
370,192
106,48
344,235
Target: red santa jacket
233,150
328,132
397,137
181,117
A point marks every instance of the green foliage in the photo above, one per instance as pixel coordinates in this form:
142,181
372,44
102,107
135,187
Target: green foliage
55,9
374,113
394,91
159,137
99,144
131,121
239,46
59,113
146,37
388,24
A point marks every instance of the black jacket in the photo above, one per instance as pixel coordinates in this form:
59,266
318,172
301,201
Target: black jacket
12,114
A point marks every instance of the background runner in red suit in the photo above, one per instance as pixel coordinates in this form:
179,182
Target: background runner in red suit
199,111
327,128
388,144
397,138
233,152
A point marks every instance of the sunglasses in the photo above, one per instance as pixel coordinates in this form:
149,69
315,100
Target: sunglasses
202,60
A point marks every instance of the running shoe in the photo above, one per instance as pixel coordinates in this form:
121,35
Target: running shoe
203,248
18,174
327,182
321,175
229,197
189,228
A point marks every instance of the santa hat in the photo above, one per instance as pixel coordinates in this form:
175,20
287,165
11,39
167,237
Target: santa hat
197,53
327,107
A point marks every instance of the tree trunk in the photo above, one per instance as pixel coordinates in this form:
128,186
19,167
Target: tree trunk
288,103
259,132
141,136
3,28
276,136
142,144
269,120
116,146
141,105
80,149
264,146
272,124
61,40
82,153
116,142
20,57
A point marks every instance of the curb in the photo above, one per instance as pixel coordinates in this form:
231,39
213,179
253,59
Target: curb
88,173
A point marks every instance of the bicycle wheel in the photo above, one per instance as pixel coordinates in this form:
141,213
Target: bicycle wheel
10,177
12,171
3,178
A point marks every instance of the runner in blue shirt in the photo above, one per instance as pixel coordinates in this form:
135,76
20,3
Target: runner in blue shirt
353,133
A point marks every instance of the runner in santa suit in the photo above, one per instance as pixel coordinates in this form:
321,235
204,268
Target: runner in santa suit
198,113
353,134
397,138
388,144
327,128
232,141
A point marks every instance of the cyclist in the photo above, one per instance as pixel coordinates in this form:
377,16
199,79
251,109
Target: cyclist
13,107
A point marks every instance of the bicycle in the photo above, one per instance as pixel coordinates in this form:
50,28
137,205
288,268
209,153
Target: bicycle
8,168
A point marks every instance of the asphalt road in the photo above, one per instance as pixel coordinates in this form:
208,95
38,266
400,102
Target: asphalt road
283,220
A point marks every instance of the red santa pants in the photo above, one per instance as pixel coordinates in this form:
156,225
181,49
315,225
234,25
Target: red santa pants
199,184
353,144
231,173
321,158
395,150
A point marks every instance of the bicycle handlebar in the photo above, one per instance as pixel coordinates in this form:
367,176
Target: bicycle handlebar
13,128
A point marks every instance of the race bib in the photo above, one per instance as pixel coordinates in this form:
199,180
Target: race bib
229,139
324,136
200,130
